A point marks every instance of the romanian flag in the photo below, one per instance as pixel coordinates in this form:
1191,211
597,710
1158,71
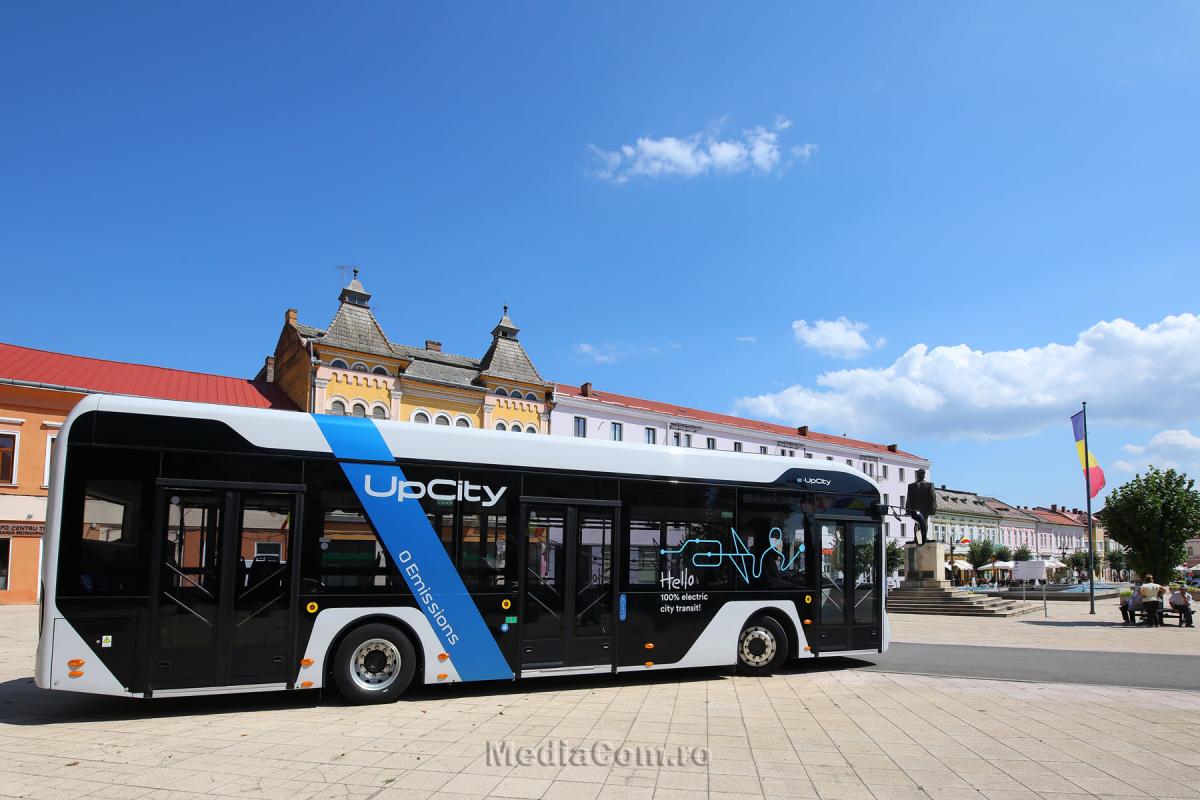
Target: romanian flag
1091,469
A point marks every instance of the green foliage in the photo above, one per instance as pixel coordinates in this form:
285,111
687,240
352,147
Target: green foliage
980,552
1117,561
1023,553
894,556
1152,516
1078,562
1003,553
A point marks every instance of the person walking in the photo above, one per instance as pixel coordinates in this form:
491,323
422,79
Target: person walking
1152,601
1181,604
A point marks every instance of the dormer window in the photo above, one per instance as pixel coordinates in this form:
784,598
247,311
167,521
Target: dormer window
337,363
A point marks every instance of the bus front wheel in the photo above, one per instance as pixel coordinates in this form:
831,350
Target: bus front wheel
374,664
762,647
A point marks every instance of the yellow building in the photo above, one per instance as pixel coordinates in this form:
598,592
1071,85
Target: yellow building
351,367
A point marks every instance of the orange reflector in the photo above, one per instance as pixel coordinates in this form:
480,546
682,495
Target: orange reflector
75,663
649,645
443,656
306,662
807,648
306,685
442,676
808,622
75,673
649,663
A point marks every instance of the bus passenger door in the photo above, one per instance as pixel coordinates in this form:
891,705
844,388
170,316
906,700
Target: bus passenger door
567,586
851,594
223,612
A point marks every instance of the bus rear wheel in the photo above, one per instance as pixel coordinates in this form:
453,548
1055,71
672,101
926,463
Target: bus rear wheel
374,664
762,647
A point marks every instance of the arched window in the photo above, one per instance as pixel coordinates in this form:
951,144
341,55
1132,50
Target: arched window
515,427
530,429
379,412
379,371
531,396
337,362
501,391
500,426
358,366
441,419
462,422
337,408
421,417
359,409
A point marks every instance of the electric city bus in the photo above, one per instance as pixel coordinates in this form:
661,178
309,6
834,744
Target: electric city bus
201,549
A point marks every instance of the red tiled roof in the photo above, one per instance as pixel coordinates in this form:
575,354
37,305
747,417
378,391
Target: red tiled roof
58,370
772,428
1054,517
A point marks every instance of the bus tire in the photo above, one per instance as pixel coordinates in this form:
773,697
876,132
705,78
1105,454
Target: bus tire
762,647
374,664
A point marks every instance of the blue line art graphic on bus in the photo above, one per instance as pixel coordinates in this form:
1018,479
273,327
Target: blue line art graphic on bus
742,559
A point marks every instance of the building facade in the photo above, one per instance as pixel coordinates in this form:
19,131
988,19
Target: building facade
350,367
586,412
1058,532
1017,528
38,389
963,515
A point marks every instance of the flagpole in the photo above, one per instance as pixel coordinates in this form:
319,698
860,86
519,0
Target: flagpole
1087,478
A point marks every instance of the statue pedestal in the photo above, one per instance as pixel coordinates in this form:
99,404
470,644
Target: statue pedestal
925,567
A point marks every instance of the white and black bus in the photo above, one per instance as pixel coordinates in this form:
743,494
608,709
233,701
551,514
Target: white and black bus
202,549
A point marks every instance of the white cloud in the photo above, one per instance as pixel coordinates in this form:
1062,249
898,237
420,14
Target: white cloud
746,339
1170,449
611,353
1129,375
839,337
757,150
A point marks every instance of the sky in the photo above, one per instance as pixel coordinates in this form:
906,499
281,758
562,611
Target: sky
943,225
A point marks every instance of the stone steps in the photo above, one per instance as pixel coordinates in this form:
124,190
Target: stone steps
953,601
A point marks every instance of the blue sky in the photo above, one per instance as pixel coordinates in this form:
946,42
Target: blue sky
997,176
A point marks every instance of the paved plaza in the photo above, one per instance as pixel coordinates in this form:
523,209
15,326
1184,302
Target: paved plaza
813,732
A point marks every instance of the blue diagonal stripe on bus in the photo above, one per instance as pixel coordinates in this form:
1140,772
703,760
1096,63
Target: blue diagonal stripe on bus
416,550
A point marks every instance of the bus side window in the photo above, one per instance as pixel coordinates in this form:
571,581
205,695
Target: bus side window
772,525
351,559
680,535
487,555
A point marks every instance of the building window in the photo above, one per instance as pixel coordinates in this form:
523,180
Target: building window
358,366
762,448
885,498
516,428
49,457
883,470
338,364
829,458
379,412
359,409
4,551
501,391
618,431
8,457
737,447
441,419
901,469
421,417
379,371
462,422
500,426
791,453
531,396
677,438
651,436
530,429
687,440
849,462
710,443
337,408
903,530
808,455
581,427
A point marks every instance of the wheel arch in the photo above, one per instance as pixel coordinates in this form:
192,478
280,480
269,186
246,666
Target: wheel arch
367,619
785,622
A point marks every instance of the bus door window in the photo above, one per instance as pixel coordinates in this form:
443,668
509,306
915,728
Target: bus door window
262,581
833,575
593,575
191,576
545,577
866,546
772,527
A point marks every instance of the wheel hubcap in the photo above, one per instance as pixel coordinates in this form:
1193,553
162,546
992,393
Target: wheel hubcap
375,664
757,647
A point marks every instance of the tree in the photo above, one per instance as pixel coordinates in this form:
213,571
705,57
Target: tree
1078,562
1152,515
1023,554
894,556
980,552
1003,553
1117,562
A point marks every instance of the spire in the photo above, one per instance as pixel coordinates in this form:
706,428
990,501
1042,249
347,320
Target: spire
505,328
354,292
